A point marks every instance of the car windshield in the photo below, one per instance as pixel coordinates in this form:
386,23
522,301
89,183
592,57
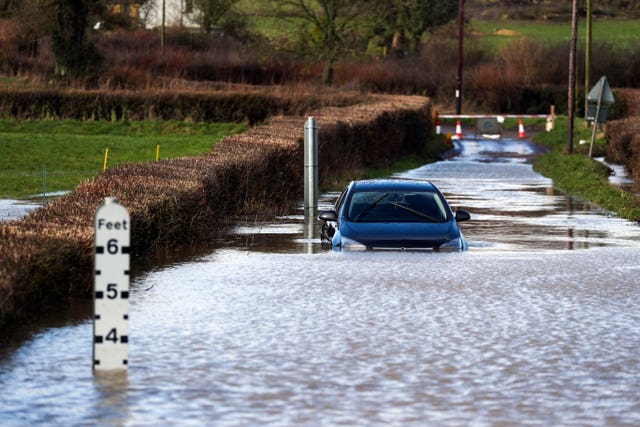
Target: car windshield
388,206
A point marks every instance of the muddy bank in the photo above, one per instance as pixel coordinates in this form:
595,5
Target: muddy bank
47,257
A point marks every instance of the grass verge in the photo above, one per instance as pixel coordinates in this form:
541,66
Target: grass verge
70,151
580,176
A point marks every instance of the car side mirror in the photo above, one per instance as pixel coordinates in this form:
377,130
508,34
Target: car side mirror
328,215
462,215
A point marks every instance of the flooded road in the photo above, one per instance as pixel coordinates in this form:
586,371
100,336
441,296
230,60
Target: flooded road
538,324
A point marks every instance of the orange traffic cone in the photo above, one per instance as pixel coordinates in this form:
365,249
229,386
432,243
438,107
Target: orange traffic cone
521,133
459,130
438,127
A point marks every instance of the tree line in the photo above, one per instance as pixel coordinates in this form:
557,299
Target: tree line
324,29
320,31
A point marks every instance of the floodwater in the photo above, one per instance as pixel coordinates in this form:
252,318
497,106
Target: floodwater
538,324
15,209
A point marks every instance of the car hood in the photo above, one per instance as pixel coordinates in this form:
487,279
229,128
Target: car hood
400,235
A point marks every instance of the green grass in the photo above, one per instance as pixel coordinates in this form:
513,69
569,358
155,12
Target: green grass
619,32
72,151
580,176
263,19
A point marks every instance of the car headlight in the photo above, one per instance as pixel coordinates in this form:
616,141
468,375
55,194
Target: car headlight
454,245
350,244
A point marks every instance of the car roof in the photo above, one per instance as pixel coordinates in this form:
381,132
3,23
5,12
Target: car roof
393,184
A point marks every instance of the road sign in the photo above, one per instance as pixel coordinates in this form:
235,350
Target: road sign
111,287
601,92
592,110
599,95
488,126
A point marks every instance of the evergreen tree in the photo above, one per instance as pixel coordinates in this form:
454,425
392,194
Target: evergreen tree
75,54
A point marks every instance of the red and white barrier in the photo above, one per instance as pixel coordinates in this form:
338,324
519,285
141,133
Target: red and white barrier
490,116
500,117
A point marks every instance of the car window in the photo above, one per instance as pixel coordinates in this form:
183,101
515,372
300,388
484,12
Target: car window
441,205
341,198
380,206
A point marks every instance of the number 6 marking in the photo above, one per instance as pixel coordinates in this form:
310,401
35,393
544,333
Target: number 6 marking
112,246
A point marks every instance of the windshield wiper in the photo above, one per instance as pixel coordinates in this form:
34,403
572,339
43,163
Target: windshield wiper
371,206
415,212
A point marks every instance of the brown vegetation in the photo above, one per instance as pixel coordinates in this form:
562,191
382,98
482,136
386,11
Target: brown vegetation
523,76
623,136
47,257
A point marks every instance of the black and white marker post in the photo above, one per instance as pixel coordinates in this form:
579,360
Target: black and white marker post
111,287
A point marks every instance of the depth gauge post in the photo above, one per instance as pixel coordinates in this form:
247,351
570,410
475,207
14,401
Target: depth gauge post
111,287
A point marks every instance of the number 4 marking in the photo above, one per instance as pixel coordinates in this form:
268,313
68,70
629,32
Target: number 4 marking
112,336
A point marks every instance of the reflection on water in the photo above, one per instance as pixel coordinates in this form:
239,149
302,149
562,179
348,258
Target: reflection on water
271,330
619,176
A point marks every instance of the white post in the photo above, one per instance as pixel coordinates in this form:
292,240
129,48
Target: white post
310,166
111,287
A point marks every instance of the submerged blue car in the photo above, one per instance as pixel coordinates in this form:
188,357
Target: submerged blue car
393,213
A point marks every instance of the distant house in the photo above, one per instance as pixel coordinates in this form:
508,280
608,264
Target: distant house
130,8
177,13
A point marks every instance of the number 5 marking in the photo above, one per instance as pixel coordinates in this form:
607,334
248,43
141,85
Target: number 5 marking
112,290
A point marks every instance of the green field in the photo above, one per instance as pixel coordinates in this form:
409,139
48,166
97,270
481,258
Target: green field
623,33
72,151
618,31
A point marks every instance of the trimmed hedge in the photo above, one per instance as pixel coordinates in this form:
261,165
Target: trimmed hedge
47,256
623,136
252,106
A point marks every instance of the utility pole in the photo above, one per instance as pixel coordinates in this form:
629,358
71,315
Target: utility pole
162,34
572,75
587,58
460,51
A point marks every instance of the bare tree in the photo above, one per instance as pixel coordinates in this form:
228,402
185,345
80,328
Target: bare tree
327,29
211,12
407,20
